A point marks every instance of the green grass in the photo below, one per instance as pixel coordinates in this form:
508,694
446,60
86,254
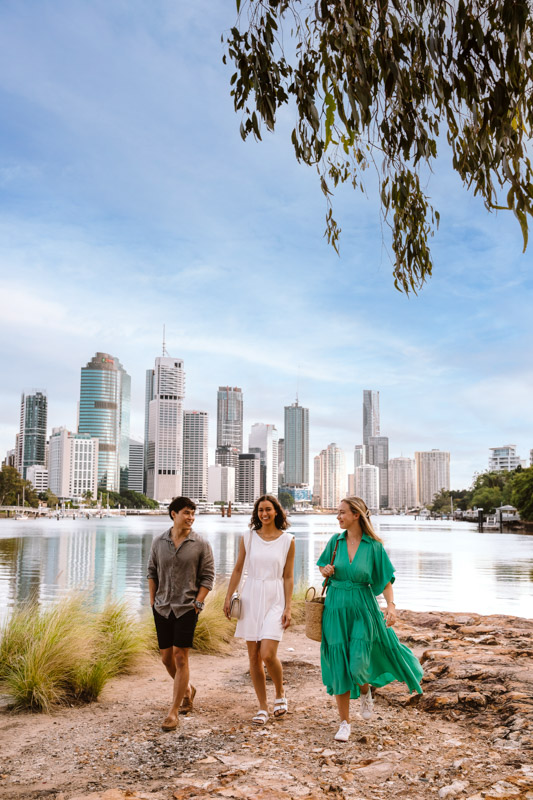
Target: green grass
298,603
66,653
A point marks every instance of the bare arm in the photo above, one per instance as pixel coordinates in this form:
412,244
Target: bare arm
390,611
288,585
235,576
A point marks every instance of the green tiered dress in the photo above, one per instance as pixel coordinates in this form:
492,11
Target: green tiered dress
357,647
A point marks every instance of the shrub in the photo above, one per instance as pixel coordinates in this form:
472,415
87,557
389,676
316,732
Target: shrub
65,653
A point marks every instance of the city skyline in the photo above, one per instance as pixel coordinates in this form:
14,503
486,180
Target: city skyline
129,201
244,420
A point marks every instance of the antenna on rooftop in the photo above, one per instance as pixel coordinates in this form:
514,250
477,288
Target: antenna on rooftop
165,352
297,383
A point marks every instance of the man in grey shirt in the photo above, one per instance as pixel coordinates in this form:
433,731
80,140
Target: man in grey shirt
181,572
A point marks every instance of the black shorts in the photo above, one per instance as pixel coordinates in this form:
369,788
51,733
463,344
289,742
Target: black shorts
175,631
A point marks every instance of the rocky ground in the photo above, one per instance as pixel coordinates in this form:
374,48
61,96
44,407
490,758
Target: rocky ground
469,736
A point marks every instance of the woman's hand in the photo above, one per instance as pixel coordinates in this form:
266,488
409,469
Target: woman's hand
227,606
327,571
390,614
286,618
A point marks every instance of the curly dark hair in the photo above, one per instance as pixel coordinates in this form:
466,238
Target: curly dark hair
281,520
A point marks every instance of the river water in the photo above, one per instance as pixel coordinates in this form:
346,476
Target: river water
440,565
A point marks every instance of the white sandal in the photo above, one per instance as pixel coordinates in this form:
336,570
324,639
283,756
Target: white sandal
260,718
281,706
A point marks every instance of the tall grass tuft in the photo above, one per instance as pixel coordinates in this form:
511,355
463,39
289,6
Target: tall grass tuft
39,651
298,603
118,639
214,631
66,653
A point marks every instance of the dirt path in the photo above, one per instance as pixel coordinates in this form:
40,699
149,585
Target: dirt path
469,736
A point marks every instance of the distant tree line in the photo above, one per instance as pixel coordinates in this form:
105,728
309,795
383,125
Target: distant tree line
13,487
489,491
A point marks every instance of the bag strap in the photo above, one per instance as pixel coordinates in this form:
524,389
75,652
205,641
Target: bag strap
331,562
247,541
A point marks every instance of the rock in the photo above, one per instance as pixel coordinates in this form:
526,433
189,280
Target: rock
375,771
453,789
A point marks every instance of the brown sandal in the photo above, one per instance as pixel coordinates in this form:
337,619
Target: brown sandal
187,702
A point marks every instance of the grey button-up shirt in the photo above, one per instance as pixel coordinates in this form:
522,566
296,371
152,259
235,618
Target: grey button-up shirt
179,572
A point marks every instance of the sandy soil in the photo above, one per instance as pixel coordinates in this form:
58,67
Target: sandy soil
474,741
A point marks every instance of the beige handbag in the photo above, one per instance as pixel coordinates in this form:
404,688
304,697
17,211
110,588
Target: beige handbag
314,608
235,603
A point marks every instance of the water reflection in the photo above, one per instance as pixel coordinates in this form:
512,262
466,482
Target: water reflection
447,566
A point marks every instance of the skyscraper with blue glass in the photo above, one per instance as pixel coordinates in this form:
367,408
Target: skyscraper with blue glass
105,413
31,441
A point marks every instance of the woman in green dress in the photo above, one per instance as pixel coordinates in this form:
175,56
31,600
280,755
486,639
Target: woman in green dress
359,649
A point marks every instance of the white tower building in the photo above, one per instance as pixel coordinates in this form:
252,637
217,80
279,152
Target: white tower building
402,483
367,485
432,475
333,476
73,464
264,439
165,430
195,455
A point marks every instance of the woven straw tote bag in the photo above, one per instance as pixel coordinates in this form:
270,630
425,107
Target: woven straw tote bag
314,608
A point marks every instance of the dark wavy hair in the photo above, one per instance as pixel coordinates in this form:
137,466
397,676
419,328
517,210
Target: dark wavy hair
281,520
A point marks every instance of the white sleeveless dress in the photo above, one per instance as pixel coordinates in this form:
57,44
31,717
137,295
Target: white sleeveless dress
263,594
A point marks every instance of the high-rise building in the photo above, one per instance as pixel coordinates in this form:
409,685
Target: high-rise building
37,475
317,480
351,484
296,445
367,485
195,455
402,483
31,441
11,458
264,440
73,464
221,484
136,469
332,476
432,475
370,415
281,461
104,413
148,397
378,455
229,425
249,479
503,458
165,430
360,455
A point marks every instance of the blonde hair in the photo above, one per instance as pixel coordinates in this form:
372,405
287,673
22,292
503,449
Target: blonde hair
358,506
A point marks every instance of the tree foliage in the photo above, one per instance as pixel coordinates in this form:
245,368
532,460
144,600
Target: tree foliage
12,487
287,500
129,499
522,493
378,82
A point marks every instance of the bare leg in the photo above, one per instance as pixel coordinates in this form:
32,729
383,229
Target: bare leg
269,656
181,680
257,673
364,688
168,660
343,705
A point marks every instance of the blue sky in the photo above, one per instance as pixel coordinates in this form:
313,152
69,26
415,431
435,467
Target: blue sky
128,200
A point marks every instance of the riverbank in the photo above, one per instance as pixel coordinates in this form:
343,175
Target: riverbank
470,735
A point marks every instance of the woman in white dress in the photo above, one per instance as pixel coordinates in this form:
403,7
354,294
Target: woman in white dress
268,552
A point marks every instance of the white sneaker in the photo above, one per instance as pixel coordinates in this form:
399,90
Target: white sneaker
367,705
343,734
